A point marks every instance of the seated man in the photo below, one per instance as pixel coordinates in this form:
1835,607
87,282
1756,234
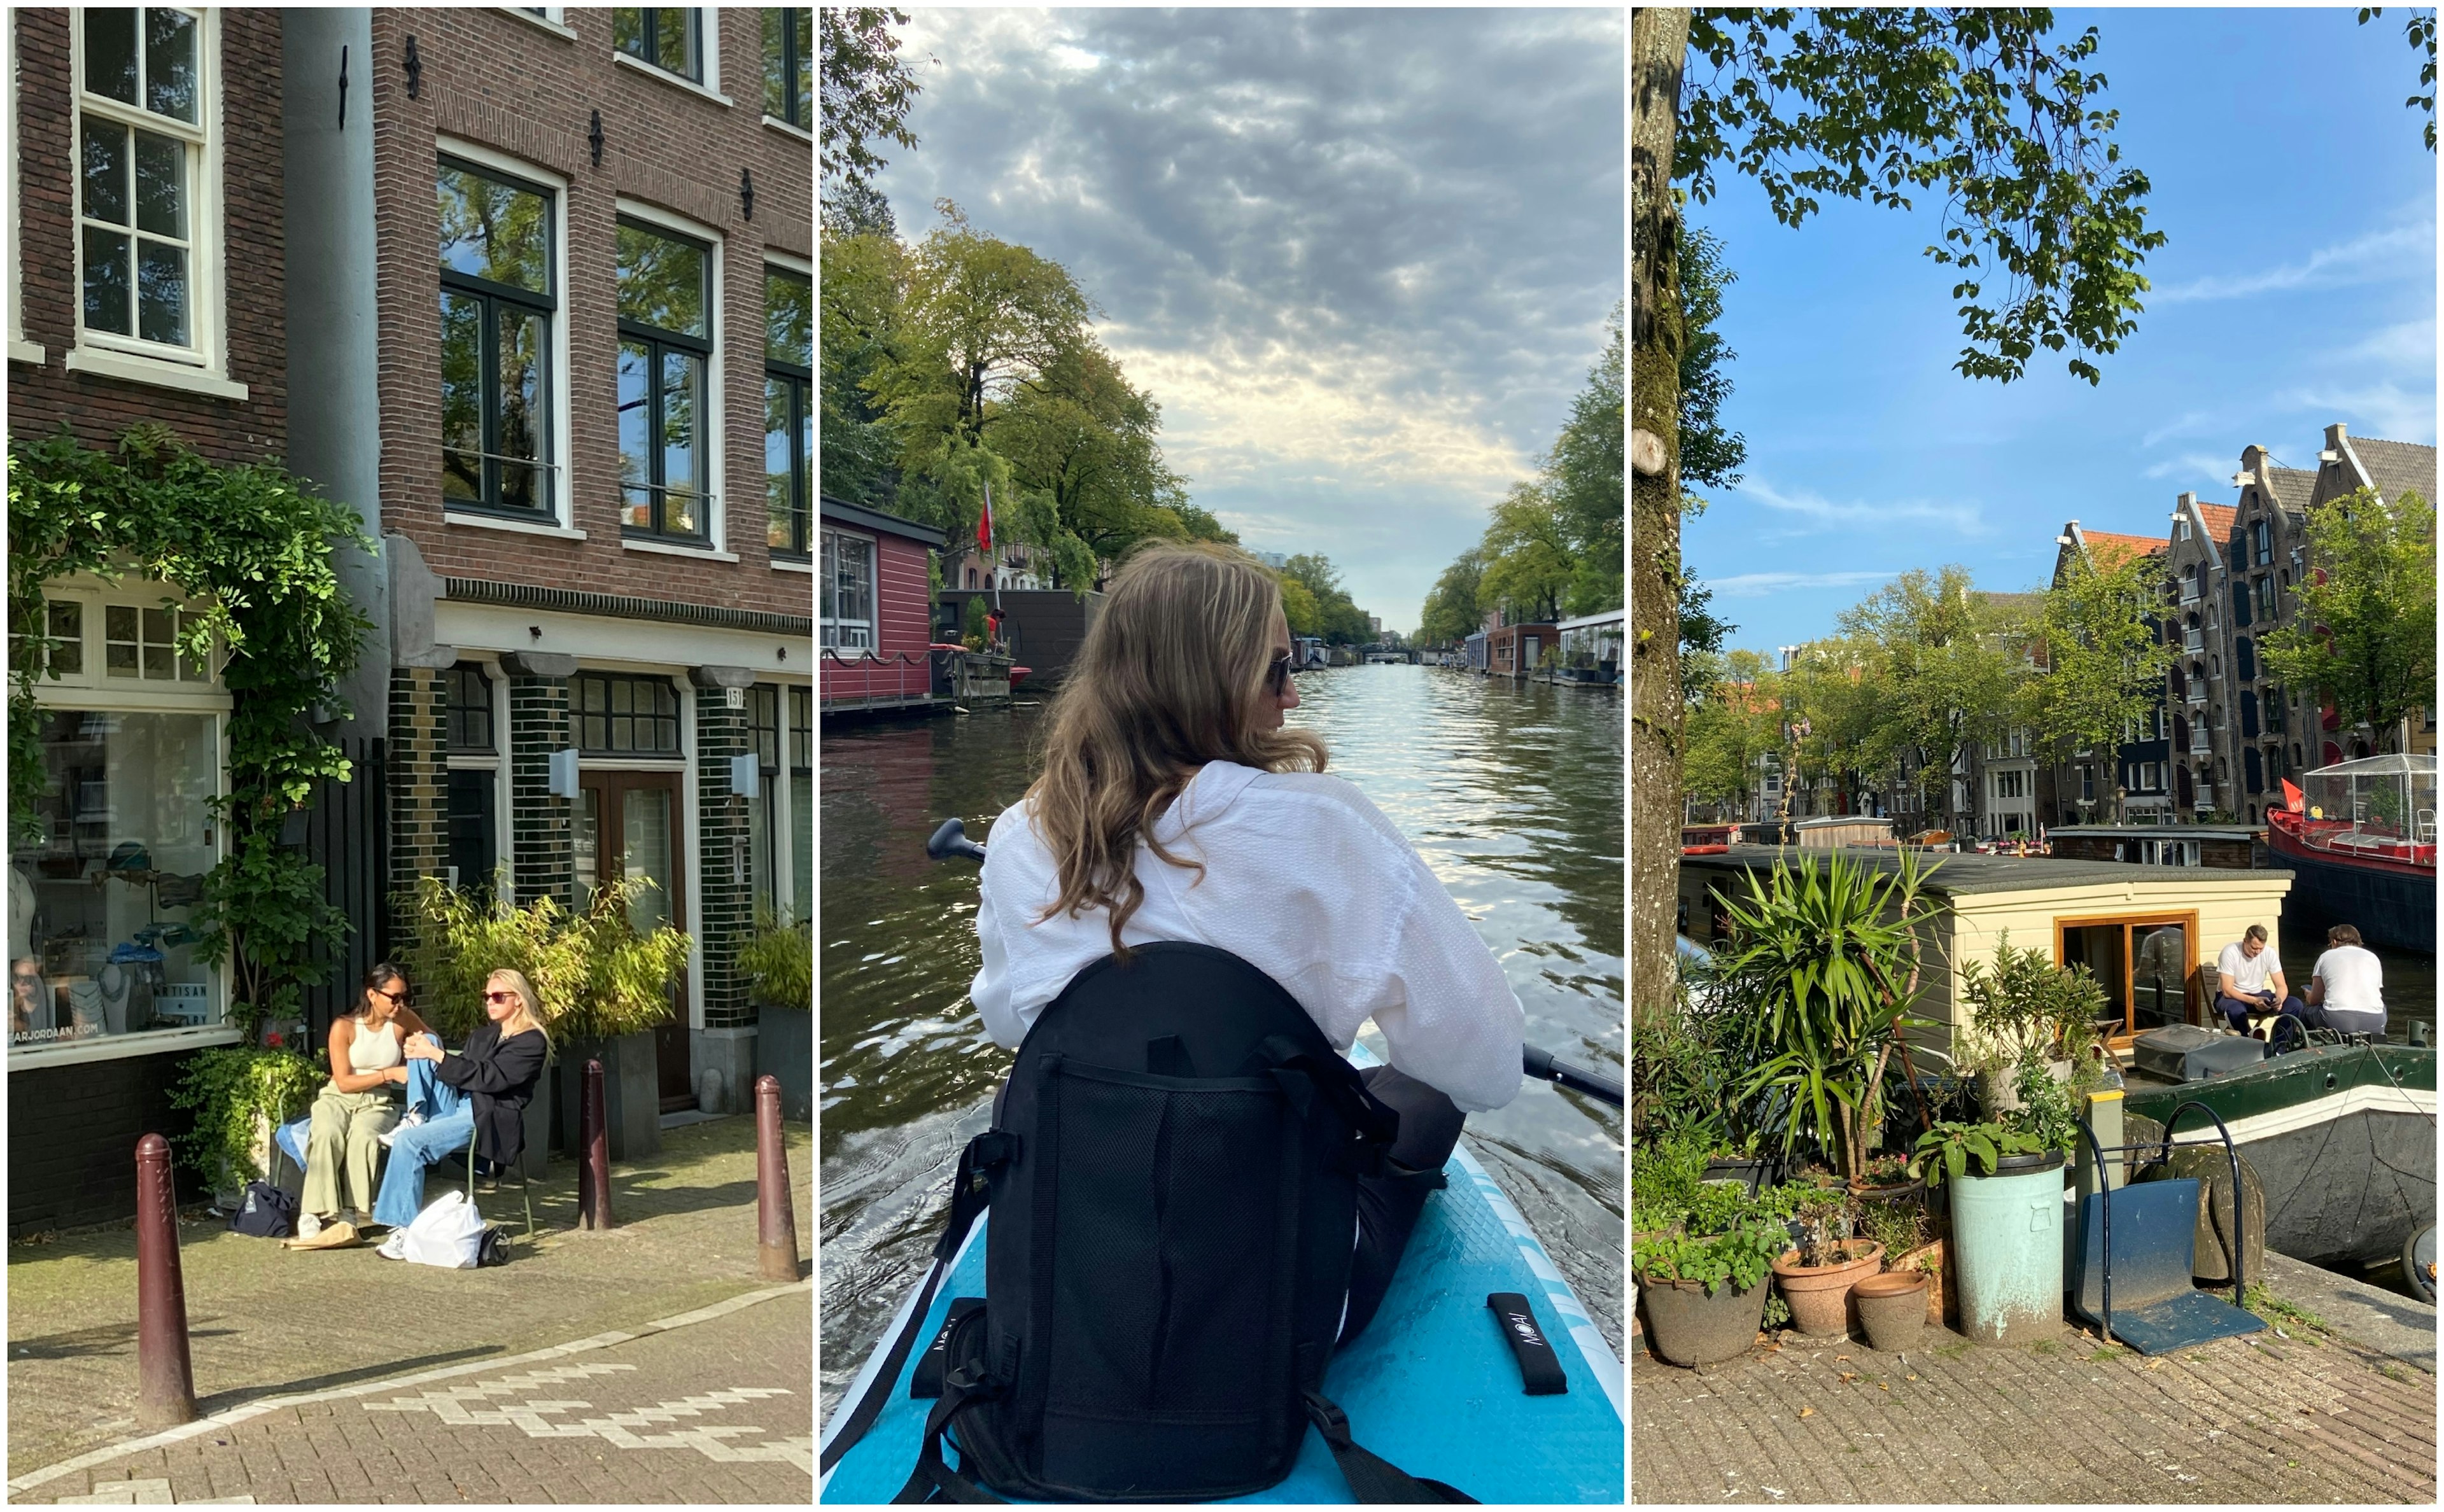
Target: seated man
2345,987
2253,981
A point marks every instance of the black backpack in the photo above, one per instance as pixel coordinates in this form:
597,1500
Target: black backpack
265,1211
1171,1172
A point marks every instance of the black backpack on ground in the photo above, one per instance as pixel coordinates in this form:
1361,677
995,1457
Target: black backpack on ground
1171,1172
265,1211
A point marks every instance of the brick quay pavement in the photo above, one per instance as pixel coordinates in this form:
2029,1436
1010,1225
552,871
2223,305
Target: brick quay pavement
2308,1418
717,1406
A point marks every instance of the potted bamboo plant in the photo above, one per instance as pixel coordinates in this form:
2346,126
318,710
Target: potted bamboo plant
605,987
778,963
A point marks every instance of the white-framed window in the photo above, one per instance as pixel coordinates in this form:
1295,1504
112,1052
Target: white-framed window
501,343
848,591
788,408
123,638
669,388
146,181
673,40
789,65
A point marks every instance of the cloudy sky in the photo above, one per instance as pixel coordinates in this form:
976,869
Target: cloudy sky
2297,289
1362,258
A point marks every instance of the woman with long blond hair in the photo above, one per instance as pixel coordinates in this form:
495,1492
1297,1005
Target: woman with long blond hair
480,1092
1174,805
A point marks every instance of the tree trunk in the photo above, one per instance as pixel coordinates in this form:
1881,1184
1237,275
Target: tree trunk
1659,45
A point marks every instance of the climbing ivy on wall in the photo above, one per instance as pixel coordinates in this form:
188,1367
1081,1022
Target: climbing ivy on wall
254,551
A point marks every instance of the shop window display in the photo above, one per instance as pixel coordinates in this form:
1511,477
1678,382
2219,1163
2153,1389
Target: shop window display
100,906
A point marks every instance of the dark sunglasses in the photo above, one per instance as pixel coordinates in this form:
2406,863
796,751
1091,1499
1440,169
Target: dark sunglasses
500,997
1277,674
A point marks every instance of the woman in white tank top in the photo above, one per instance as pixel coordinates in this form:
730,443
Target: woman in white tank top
356,1106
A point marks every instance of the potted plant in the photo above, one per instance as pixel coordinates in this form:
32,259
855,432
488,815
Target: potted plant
1888,1179
1817,1275
240,1095
605,988
2007,1221
1705,1295
778,963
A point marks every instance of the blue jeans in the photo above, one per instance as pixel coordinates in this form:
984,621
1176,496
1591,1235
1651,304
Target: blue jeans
2238,1009
449,1123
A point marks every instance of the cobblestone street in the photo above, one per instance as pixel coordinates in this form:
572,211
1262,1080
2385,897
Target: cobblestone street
2236,1421
714,1410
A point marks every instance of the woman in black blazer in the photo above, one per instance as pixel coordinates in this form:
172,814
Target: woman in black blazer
482,1090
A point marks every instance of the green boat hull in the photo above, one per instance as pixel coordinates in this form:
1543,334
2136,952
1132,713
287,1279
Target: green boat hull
2343,1138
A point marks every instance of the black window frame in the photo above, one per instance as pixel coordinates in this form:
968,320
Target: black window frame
2261,540
802,730
459,711
592,728
490,294
656,341
651,37
800,378
796,70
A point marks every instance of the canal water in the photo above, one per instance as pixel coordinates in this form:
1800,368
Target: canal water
1513,795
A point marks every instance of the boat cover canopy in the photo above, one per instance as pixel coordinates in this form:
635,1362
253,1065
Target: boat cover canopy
2380,767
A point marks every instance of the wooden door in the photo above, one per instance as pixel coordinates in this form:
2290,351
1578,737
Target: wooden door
627,825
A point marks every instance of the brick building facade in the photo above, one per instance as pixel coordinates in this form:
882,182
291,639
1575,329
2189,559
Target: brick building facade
594,470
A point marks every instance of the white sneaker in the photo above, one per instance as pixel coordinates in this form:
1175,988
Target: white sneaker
308,1225
411,1118
395,1247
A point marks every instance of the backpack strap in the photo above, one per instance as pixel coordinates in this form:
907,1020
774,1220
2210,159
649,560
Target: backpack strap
1372,1478
968,1202
1302,1073
932,1480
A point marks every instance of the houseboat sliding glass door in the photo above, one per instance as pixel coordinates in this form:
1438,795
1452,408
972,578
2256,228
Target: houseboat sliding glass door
2144,963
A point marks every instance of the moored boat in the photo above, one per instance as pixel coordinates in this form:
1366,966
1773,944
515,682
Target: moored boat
2360,835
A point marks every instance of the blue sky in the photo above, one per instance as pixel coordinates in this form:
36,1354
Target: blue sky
1361,257
2297,289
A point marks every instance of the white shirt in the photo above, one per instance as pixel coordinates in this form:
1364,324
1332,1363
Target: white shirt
2354,980
1305,880
2244,976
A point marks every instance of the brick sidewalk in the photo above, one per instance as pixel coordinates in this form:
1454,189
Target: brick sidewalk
719,1411
2240,1420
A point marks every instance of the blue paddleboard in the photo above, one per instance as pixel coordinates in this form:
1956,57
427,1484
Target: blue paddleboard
1431,1386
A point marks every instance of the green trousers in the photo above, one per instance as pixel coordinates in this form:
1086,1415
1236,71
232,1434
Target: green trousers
343,1146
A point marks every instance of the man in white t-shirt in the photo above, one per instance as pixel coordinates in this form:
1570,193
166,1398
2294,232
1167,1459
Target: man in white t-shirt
2345,987
2251,981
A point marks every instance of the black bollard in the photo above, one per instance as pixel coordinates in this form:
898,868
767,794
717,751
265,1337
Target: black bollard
594,1154
165,1376
776,1223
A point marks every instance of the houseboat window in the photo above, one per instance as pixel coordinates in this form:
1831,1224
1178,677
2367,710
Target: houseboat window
104,878
790,65
624,715
141,125
847,592
499,297
471,708
670,37
788,408
665,344
2143,962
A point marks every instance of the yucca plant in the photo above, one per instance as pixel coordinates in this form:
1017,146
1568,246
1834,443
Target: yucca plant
599,978
1823,968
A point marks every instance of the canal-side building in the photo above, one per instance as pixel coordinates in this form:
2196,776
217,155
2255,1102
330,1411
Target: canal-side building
2084,785
147,250
2196,596
2346,463
581,271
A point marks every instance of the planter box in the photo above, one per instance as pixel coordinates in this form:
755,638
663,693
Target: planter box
632,1096
784,1047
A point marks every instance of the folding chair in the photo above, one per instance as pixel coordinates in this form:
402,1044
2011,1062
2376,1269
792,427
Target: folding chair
526,1198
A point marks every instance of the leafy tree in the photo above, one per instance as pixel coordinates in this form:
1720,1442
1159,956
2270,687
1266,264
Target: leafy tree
1085,437
864,289
1530,565
1300,608
1734,721
1940,674
1582,478
2366,636
1711,454
868,88
2105,661
857,209
1451,614
2421,34
1863,104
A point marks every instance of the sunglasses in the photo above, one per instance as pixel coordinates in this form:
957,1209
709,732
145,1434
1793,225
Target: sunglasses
394,997
500,997
1277,674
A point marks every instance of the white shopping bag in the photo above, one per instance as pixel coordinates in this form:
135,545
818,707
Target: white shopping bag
448,1234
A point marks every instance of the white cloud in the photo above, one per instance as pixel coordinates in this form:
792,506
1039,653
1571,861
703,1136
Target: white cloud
2197,468
1763,584
2403,249
2406,343
1966,516
2385,411
2193,423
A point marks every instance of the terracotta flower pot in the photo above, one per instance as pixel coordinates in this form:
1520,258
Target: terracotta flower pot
1891,1307
1819,1295
1685,1326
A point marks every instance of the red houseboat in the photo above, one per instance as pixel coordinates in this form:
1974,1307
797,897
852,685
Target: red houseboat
874,615
2363,839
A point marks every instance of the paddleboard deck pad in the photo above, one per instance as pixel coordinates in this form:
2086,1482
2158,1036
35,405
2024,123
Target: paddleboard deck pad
1431,1386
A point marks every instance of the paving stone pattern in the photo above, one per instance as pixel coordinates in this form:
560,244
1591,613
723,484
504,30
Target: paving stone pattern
2236,1421
718,1412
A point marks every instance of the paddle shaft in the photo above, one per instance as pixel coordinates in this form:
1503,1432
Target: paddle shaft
951,839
